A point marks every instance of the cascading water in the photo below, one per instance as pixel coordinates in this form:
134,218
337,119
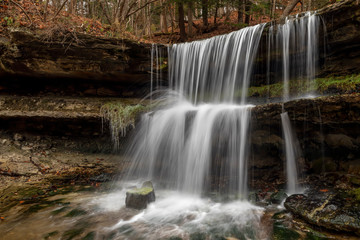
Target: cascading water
199,143
297,44
217,69
292,153
179,146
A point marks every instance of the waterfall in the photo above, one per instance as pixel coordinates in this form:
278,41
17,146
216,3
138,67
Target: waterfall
200,141
297,42
177,146
215,69
292,152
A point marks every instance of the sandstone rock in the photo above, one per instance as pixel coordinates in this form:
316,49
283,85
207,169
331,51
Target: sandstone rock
139,198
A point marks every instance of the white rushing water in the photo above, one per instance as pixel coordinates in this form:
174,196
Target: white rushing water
213,70
292,153
298,42
180,146
176,214
199,142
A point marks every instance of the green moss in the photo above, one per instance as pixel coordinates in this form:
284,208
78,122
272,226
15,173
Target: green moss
342,84
314,235
281,232
141,191
355,193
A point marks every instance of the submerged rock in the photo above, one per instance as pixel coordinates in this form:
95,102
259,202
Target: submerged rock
338,211
139,198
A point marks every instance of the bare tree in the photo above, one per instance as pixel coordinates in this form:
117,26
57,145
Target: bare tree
290,7
181,21
190,18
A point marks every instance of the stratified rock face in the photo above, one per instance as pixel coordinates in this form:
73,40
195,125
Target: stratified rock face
74,64
342,49
139,198
332,210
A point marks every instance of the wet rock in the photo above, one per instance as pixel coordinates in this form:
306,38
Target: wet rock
278,197
262,138
323,164
139,198
104,177
333,210
253,197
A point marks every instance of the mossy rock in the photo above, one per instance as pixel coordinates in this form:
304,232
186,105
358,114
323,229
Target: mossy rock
139,198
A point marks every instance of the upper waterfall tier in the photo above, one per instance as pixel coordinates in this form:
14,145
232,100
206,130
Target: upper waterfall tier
213,69
221,68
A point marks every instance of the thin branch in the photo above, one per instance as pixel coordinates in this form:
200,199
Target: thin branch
131,7
62,6
143,6
22,9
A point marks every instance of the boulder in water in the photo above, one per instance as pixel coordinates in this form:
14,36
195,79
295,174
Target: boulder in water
139,198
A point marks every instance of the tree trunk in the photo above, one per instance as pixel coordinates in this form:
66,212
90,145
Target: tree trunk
247,11
190,18
181,21
163,20
204,5
72,6
216,12
240,11
290,7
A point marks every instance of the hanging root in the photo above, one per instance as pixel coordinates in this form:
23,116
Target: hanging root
120,118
